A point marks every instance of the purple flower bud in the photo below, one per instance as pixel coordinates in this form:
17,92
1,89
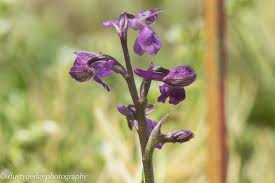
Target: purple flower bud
130,116
125,111
84,70
176,136
175,95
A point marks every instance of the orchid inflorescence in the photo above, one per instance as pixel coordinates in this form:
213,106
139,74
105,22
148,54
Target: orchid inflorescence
95,66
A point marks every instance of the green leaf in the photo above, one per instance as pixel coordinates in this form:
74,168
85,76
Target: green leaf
153,140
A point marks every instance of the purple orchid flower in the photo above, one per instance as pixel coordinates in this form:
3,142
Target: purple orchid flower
175,80
147,40
180,76
82,70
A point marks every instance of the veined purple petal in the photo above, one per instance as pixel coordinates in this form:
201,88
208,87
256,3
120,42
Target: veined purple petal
179,136
180,76
82,73
175,95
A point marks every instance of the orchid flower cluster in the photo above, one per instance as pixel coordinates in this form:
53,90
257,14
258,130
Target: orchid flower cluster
96,66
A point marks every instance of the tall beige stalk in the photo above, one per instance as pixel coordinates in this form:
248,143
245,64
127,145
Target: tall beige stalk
215,67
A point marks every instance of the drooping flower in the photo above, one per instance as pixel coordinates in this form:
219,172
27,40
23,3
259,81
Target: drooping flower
84,70
175,79
179,76
147,40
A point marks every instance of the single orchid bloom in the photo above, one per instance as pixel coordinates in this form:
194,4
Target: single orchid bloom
84,70
147,40
175,80
179,76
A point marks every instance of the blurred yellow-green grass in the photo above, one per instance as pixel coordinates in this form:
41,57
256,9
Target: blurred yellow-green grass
51,124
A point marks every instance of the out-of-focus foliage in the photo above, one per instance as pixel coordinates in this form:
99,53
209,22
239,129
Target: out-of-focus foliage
51,124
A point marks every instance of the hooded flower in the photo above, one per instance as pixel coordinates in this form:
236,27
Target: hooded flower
147,40
84,70
175,80
179,76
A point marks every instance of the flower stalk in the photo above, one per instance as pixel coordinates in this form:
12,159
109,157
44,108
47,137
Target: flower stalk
94,67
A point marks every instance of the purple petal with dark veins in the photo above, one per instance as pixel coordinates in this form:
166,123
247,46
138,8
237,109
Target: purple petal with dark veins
82,73
180,76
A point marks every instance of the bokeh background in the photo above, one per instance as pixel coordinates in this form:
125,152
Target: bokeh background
51,124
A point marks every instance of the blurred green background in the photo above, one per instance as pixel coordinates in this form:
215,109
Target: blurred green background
51,124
